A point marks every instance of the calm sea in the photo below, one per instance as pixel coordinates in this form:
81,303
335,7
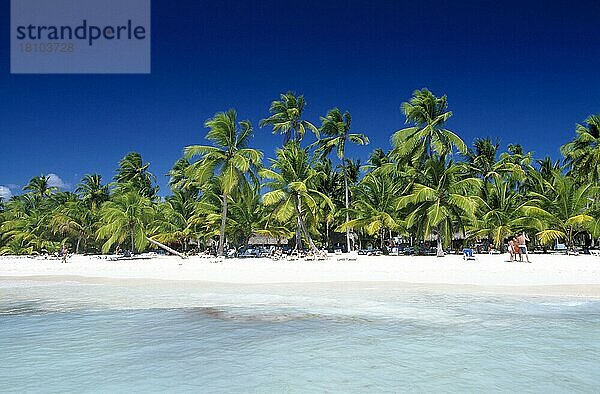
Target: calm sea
73,336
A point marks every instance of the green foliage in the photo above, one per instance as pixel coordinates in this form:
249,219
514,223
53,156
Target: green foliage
229,159
125,218
286,118
582,154
418,189
427,136
133,176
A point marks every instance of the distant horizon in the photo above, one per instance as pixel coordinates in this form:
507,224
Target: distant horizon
517,73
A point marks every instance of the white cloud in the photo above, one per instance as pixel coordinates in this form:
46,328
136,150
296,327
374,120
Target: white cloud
55,181
5,193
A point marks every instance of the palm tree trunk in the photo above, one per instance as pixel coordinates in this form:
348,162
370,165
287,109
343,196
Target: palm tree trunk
223,221
298,225
347,202
302,227
77,246
132,241
307,235
570,239
165,247
440,249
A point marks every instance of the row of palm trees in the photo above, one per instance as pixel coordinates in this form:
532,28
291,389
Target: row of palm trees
428,186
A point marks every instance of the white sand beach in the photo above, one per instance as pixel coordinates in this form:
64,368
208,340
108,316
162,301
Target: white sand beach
546,275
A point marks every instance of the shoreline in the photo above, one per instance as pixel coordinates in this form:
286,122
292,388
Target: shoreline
547,275
550,291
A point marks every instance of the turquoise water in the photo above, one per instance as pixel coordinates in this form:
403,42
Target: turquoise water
150,337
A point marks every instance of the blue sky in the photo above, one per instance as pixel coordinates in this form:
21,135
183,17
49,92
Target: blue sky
519,73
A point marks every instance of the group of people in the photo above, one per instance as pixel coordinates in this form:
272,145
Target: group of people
517,245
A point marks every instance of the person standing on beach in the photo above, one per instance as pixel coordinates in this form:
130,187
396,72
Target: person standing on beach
63,253
511,250
521,241
516,249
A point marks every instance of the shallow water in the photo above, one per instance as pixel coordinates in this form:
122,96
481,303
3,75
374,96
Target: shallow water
58,336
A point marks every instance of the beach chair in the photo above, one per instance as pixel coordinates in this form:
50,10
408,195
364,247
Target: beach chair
468,254
310,257
562,248
595,252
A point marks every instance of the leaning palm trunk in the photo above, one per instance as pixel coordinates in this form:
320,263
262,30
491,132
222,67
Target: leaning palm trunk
223,222
165,247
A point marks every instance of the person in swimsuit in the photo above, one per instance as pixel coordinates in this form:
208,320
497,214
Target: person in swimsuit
511,250
521,241
517,249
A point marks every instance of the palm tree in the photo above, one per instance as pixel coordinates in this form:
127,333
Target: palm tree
127,215
483,160
428,135
230,158
286,118
40,187
378,158
133,175
332,185
336,128
374,206
74,219
548,168
442,197
501,214
25,228
92,191
171,222
292,181
564,210
583,153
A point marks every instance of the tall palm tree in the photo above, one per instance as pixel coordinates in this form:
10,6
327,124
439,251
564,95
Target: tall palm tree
127,215
583,153
292,181
286,118
229,157
133,175
442,197
92,191
332,185
336,129
428,115
40,187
